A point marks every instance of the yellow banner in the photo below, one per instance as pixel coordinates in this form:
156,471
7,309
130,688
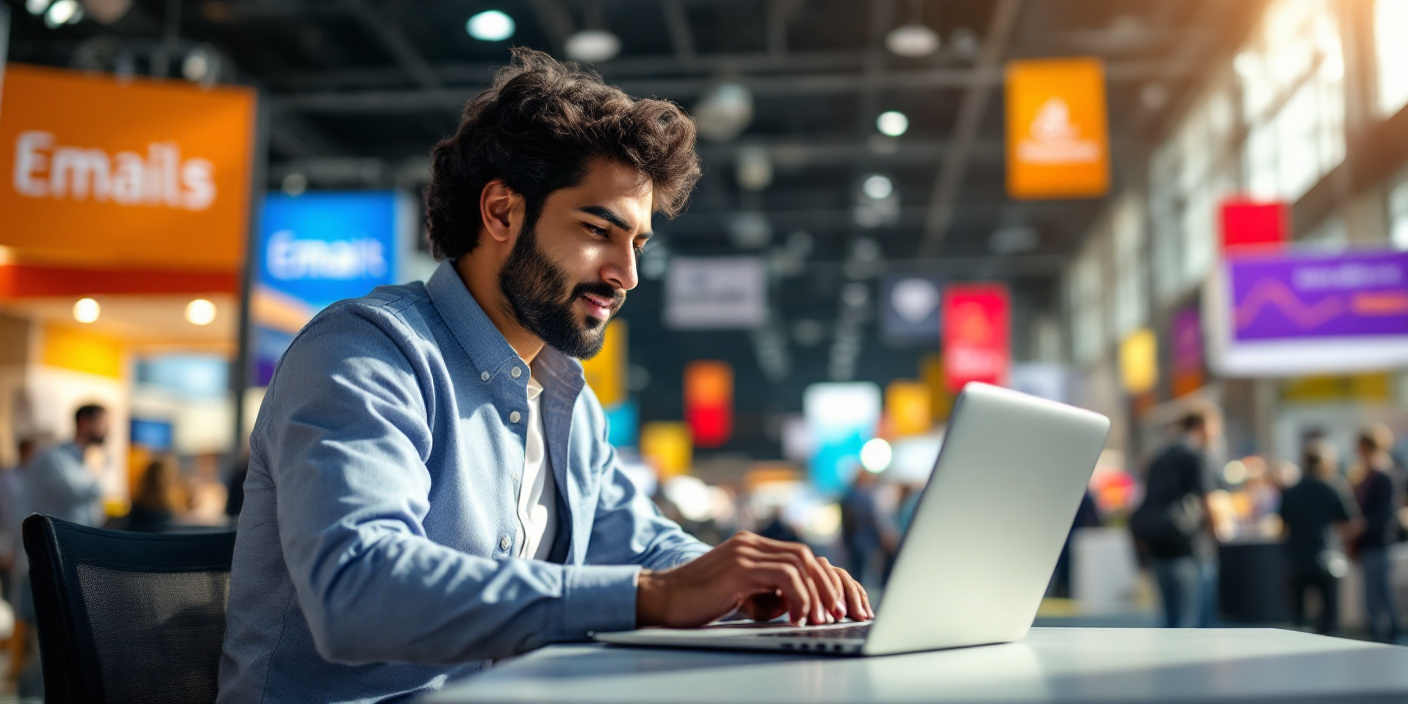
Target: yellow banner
667,447
1139,361
1058,143
940,400
907,407
606,372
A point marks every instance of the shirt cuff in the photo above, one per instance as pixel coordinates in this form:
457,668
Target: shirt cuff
600,598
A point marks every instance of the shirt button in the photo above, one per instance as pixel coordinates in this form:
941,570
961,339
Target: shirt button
484,376
503,543
515,476
516,372
513,417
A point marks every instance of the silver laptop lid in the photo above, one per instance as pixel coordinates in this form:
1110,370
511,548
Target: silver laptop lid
990,524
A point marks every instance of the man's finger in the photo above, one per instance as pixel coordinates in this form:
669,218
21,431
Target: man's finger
769,576
843,607
817,605
830,595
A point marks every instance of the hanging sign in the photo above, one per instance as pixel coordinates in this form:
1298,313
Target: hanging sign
1249,225
977,320
708,402
1057,135
131,174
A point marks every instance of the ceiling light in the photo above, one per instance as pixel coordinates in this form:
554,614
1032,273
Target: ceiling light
36,7
893,123
877,187
875,455
753,168
86,310
490,26
63,12
912,41
107,11
592,46
724,112
295,184
200,312
200,66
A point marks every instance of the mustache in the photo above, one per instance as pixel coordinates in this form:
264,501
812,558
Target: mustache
600,289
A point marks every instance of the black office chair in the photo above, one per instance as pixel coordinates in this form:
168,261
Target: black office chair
128,617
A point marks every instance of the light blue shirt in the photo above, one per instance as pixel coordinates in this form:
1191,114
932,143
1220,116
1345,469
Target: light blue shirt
58,484
375,549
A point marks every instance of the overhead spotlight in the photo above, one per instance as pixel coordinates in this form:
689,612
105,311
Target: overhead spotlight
892,123
724,112
200,312
753,168
295,184
36,7
912,41
592,46
490,26
63,12
86,310
877,187
106,11
200,66
964,43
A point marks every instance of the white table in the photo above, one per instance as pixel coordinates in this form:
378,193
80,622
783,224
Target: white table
1050,665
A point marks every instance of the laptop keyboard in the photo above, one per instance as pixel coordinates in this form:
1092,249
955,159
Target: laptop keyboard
847,632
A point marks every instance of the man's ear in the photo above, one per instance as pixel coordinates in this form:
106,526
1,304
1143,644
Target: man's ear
500,209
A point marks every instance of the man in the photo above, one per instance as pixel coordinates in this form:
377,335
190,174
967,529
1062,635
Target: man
430,485
1377,493
1308,511
1173,525
60,483
12,510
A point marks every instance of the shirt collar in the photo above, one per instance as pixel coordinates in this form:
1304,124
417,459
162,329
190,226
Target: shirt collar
485,345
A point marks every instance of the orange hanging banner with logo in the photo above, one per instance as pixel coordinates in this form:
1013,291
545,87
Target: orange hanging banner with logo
1058,143
139,173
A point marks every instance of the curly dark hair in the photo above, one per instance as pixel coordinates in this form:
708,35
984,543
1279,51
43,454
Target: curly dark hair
536,129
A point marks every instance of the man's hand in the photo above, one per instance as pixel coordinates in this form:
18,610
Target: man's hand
766,578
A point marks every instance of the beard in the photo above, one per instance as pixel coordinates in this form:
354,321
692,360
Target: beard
538,296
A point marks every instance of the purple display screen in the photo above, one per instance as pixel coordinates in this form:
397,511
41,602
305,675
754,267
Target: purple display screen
1319,296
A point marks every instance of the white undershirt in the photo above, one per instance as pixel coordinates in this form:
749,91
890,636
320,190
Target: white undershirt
537,494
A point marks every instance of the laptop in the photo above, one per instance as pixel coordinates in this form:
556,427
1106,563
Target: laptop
975,563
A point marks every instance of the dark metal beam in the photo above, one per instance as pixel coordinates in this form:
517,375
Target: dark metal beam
944,200
681,37
394,41
392,101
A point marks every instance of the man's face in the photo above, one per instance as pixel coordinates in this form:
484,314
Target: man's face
568,273
95,429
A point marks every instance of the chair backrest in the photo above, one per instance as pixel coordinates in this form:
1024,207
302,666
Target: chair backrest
128,617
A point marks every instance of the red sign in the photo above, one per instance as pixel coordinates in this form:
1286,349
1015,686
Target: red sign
708,402
1249,225
977,334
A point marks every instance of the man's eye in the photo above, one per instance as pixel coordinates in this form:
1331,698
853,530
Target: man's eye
598,231
640,248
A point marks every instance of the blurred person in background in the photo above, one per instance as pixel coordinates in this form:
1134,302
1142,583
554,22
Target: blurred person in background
1309,510
1172,524
1087,516
430,484
158,502
868,535
12,511
1377,492
60,483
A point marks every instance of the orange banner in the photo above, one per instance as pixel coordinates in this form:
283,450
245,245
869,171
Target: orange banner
140,173
1058,143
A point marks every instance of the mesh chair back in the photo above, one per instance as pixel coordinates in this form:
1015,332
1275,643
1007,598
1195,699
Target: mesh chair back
128,617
